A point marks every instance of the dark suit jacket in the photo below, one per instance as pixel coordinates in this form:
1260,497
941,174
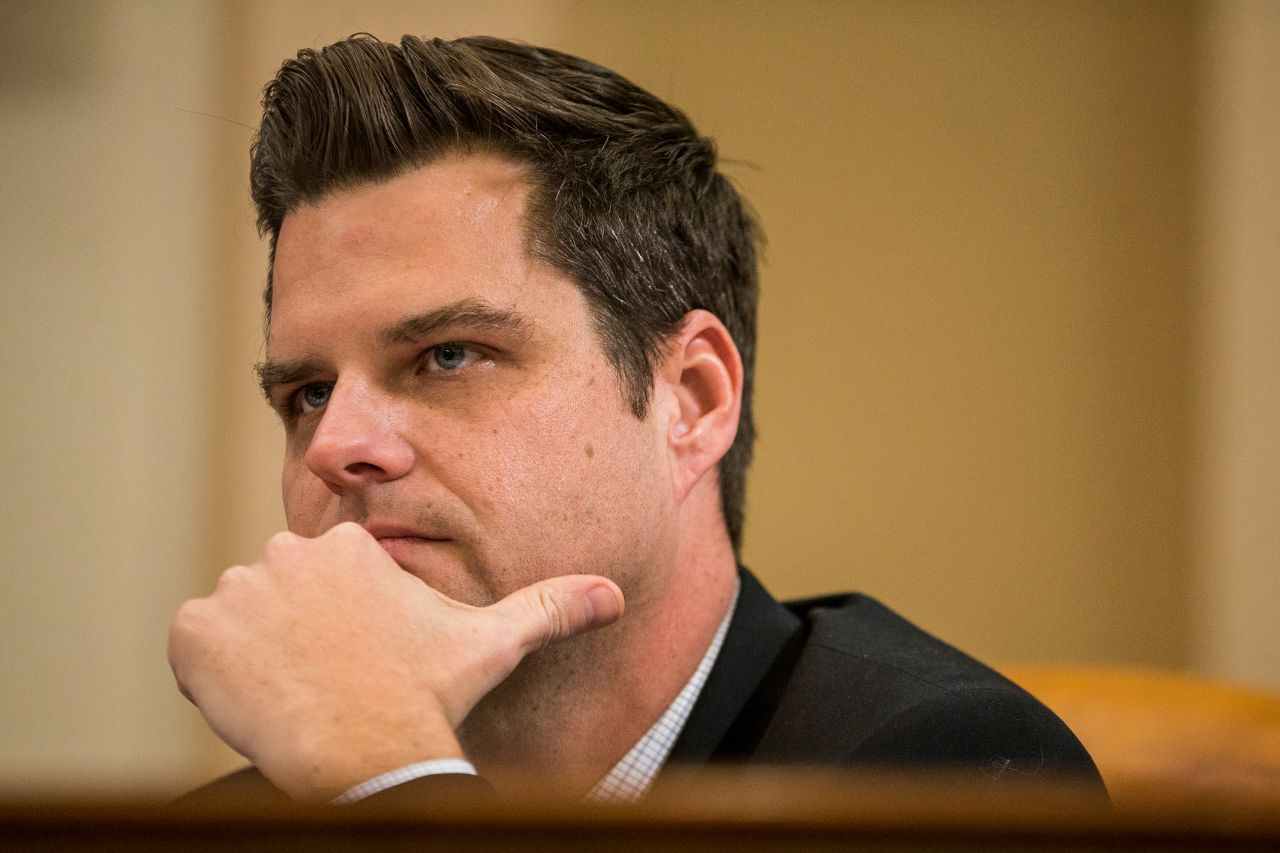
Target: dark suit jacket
844,681
840,681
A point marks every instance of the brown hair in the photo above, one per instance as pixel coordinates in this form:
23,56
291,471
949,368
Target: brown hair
626,199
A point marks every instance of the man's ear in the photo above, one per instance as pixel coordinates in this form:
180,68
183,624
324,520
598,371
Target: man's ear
702,375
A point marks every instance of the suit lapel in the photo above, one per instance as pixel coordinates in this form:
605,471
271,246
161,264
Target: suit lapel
742,690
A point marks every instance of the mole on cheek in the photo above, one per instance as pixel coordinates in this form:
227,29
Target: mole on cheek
591,451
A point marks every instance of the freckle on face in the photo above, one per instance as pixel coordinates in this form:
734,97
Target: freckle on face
591,451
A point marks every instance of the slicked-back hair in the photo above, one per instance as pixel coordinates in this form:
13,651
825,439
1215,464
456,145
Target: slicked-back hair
625,197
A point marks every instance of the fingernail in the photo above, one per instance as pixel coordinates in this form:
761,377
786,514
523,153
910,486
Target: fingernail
603,605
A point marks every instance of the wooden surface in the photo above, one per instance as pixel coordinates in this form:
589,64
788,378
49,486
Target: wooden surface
710,812
1190,765
1151,731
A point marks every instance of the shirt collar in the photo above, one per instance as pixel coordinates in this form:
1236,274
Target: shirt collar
632,776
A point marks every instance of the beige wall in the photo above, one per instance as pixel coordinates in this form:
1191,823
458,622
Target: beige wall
1237,521
108,287
974,365
1010,355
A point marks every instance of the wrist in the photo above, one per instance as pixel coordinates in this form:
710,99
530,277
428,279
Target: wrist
328,769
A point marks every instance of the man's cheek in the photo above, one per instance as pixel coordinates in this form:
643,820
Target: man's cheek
306,502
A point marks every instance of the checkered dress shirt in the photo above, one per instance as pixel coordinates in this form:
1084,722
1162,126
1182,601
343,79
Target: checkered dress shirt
632,776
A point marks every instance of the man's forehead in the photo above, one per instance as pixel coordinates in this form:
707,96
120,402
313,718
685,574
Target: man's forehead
458,219
368,259
460,198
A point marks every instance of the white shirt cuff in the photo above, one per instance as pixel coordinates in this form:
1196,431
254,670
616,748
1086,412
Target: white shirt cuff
435,767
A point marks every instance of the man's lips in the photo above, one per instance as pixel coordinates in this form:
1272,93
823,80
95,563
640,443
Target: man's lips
396,531
400,541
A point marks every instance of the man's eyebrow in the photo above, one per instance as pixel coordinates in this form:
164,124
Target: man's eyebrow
471,313
275,373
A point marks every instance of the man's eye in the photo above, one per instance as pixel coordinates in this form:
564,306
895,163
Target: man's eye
450,356
313,396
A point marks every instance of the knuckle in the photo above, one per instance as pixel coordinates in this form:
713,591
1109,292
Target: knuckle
279,542
189,614
352,536
233,578
188,624
348,539
182,621
346,529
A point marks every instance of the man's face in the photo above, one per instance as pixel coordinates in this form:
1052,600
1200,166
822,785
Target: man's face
448,392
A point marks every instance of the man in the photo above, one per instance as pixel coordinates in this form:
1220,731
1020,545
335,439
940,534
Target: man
510,333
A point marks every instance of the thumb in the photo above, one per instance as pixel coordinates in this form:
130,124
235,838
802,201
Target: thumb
559,608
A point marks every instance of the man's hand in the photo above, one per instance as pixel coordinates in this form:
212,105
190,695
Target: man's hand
325,664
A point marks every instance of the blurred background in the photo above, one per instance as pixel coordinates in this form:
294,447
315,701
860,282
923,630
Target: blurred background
1018,372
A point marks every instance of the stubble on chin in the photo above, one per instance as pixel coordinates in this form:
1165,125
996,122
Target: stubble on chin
529,709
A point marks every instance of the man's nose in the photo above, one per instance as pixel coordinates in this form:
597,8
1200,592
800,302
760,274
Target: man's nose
357,441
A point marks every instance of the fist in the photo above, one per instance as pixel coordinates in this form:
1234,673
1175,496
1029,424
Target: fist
325,664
